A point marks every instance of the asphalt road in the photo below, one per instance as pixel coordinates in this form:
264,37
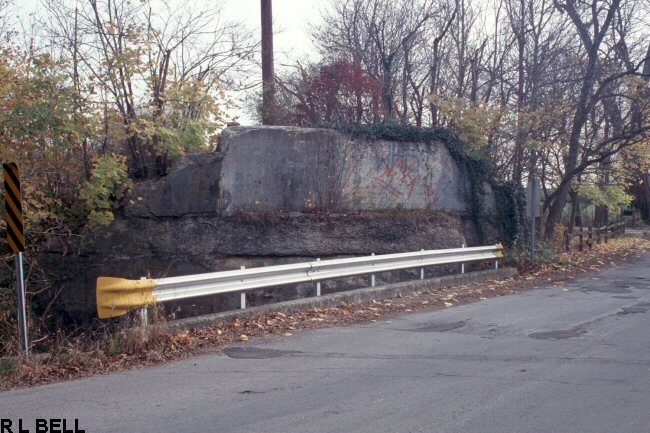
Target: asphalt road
571,358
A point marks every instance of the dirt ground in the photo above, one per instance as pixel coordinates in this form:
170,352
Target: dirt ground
91,354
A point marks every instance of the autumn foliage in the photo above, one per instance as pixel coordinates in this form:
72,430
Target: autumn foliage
108,92
336,93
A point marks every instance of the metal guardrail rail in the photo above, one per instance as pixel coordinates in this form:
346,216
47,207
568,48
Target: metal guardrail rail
117,296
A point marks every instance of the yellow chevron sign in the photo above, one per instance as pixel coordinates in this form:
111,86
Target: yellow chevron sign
14,208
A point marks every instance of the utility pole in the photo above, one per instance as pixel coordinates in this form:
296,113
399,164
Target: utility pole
268,76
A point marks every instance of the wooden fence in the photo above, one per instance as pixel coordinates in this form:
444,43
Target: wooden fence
592,235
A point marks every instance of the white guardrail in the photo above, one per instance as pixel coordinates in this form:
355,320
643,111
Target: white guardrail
117,296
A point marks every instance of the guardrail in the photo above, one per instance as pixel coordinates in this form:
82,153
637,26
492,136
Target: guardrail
117,296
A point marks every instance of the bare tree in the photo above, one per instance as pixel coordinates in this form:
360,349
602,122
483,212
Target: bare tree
158,67
568,77
599,82
376,34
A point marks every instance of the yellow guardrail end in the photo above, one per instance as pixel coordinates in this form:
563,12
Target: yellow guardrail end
499,252
117,296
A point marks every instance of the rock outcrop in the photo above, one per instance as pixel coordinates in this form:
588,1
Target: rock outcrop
270,195
287,169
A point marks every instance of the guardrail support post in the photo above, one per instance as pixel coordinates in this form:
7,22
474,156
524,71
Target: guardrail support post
372,276
495,265
317,286
422,269
144,316
462,265
144,312
242,295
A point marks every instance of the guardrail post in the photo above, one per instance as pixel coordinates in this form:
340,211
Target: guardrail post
317,285
144,316
590,237
372,276
422,269
242,295
462,265
144,312
495,265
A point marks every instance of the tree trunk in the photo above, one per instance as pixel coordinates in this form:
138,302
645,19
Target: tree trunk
556,208
387,93
591,43
599,215
521,133
576,214
579,119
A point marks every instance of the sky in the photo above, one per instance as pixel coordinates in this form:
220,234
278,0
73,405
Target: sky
291,41
291,20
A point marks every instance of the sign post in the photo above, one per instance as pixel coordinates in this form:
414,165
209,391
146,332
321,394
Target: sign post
533,190
16,241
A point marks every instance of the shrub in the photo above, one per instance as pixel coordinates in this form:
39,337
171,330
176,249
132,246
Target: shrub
108,183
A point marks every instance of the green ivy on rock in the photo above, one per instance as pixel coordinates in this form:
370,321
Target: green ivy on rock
511,212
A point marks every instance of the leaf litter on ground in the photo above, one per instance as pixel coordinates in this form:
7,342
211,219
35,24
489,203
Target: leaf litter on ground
100,355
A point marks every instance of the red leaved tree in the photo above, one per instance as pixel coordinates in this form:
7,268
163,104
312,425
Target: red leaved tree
329,94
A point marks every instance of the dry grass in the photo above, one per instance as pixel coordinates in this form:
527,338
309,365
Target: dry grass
8,322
